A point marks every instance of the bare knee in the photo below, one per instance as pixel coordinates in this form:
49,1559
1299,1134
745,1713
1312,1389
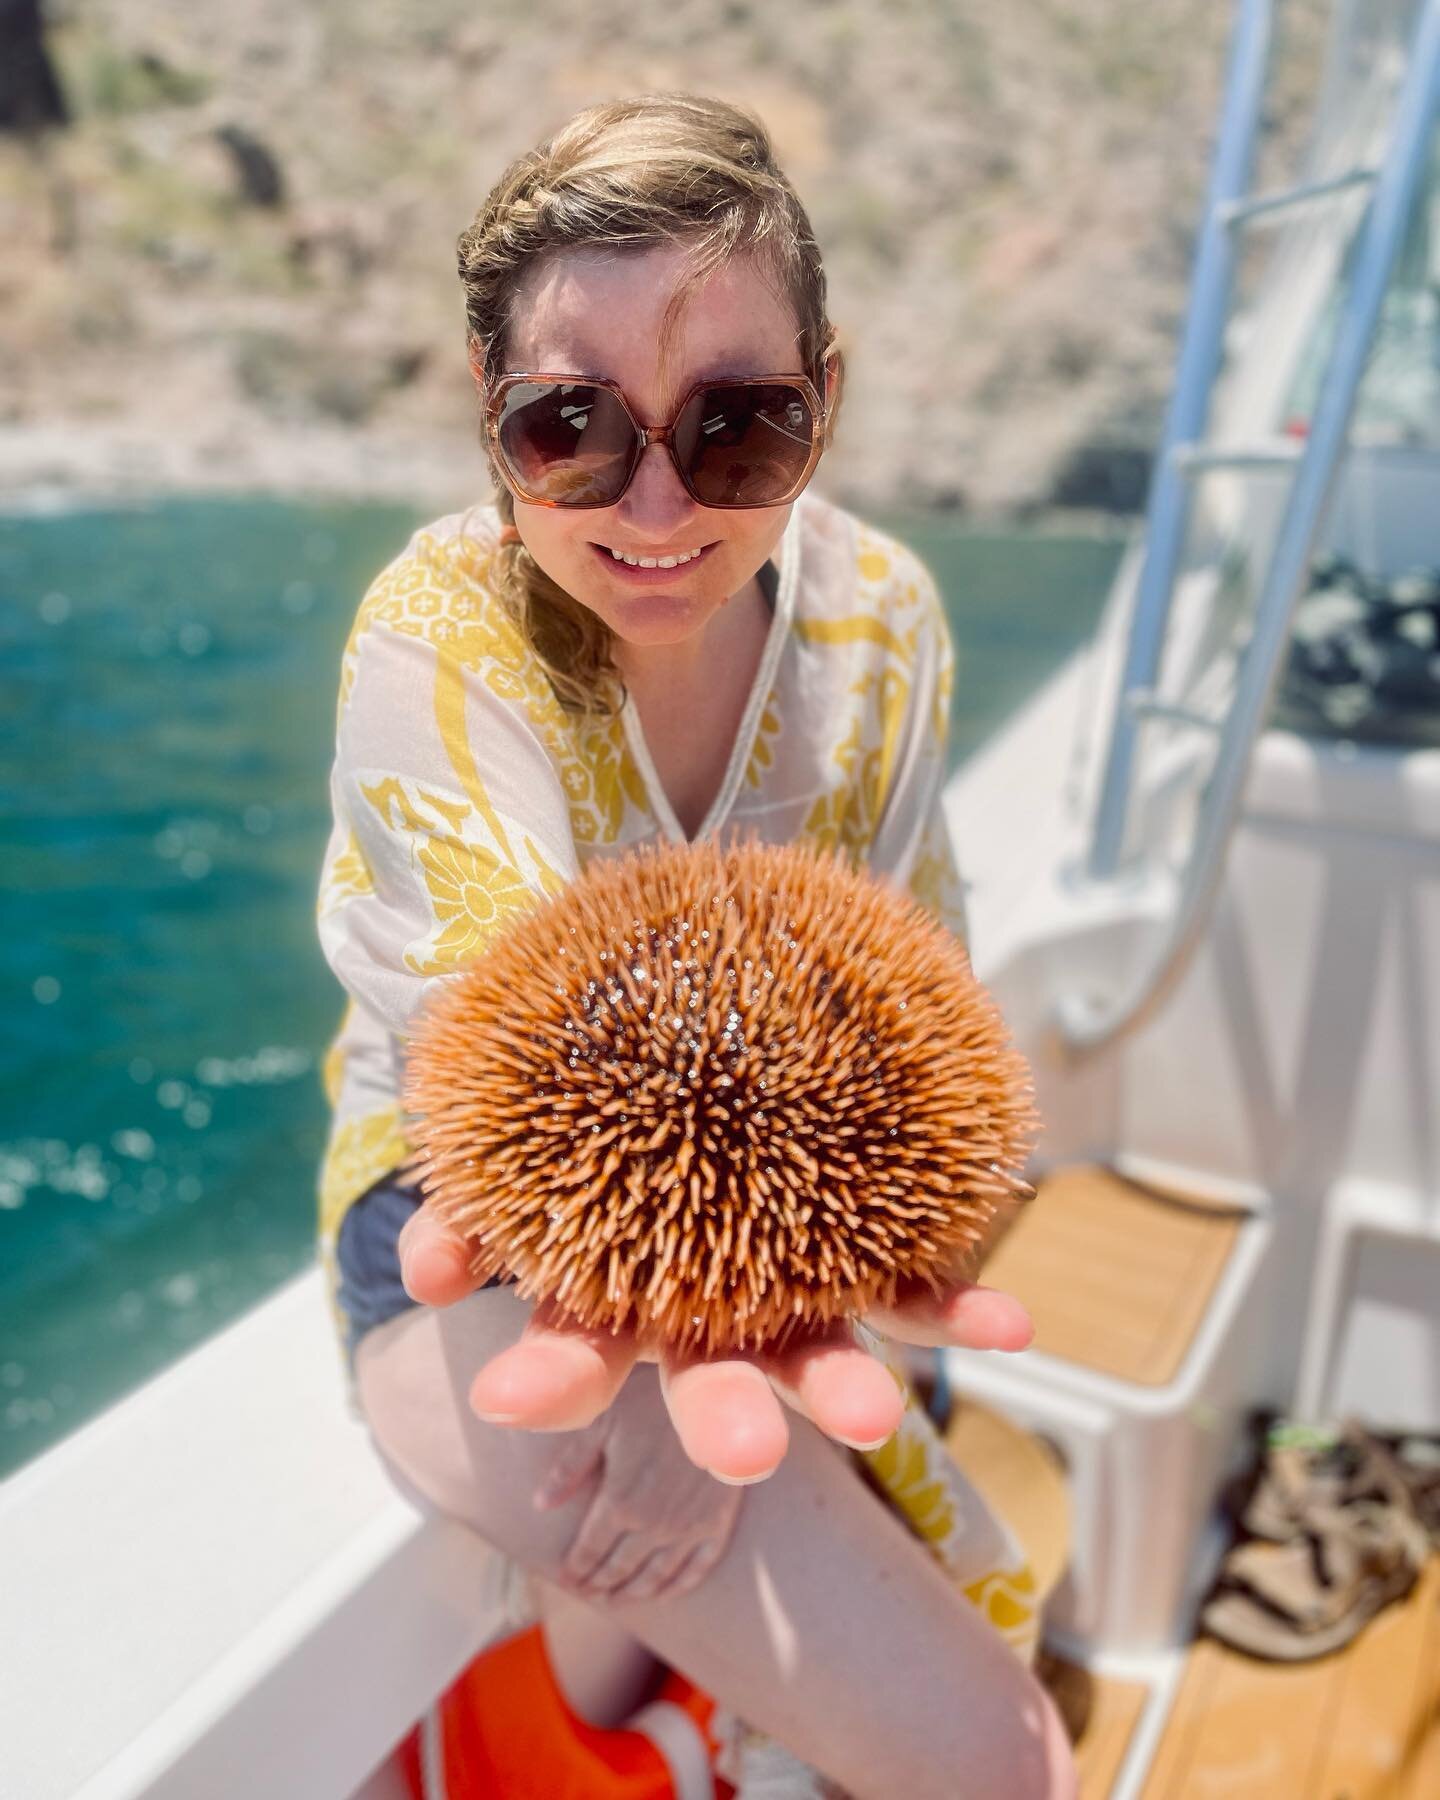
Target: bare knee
413,1375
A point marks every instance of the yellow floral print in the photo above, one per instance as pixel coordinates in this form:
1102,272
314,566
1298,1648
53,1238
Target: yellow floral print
401,811
844,819
438,593
913,1470
859,628
348,876
762,751
849,814
1007,1598
917,1491
472,893
360,1151
332,1069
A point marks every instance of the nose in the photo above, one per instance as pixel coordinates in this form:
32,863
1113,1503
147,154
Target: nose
655,505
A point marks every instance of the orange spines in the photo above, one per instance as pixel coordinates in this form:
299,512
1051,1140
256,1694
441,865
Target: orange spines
711,1095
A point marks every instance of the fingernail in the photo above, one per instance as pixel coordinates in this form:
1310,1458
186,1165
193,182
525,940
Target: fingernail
497,1418
741,1480
855,1444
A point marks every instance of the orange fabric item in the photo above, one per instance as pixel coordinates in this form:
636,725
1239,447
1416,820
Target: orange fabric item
508,1734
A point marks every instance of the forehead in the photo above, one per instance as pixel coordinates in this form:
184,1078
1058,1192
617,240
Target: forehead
599,312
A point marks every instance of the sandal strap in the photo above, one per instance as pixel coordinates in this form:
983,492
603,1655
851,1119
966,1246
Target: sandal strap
1298,1479
1317,1578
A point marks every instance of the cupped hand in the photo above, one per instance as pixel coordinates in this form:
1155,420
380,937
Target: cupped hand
727,1411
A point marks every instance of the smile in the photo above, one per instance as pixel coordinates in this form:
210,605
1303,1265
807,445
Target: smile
655,562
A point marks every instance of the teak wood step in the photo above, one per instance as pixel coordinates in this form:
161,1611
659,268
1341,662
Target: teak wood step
1117,1276
1363,1723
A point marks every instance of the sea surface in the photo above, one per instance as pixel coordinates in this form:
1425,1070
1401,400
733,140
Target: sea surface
167,703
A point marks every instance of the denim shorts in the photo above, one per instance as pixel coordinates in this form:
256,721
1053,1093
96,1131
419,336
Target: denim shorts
368,1253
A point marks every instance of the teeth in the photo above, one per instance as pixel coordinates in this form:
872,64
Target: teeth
655,562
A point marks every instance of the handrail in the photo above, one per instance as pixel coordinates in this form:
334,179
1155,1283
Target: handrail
1169,503
1086,1026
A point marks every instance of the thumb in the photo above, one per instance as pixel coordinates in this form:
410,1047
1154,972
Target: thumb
569,1472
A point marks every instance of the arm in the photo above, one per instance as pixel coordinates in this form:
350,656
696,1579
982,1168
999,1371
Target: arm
449,820
427,855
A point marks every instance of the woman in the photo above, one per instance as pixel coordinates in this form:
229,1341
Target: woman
651,634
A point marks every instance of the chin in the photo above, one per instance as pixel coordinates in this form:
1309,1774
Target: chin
661,619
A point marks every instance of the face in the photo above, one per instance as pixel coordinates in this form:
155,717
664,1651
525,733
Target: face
597,312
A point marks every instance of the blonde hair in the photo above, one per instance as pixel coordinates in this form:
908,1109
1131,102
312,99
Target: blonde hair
653,170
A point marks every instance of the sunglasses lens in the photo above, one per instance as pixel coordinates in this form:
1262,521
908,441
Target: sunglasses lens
747,445
565,443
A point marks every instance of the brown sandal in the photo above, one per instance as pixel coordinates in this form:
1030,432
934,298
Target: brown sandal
1305,1470
1307,1597
1418,1461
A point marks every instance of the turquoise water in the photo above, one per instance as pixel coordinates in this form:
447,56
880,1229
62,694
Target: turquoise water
167,695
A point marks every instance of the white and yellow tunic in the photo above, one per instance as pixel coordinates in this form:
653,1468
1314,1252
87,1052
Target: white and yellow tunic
463,793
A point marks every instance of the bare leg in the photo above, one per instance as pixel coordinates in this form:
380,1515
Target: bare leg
825,1624
603,1670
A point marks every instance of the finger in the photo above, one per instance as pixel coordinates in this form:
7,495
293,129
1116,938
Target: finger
675,1570
576,1464
966,1315
434,1261
727,1418
629,1558
598,1534
556,1378
684,1575
841,1387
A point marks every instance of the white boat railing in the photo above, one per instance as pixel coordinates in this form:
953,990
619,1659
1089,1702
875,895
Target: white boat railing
214,1591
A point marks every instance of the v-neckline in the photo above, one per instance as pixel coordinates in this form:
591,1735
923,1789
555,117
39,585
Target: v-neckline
739,763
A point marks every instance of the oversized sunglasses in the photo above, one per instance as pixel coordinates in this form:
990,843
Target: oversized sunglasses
568,440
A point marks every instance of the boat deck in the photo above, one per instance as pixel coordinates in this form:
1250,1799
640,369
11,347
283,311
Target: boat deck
1363,1724
1118,1276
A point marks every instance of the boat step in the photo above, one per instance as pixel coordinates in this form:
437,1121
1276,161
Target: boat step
1199,456
1117,1275
1143,703
1268,206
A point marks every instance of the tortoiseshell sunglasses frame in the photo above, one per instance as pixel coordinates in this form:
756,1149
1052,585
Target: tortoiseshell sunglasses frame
645,435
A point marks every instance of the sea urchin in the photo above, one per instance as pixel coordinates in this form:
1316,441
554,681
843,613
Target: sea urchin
711,1096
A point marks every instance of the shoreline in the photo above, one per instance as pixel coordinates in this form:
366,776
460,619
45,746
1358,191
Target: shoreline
63,468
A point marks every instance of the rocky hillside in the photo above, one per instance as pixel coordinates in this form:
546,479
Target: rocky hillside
231,264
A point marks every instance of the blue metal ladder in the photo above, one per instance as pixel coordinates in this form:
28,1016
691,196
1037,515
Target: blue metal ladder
1085,1023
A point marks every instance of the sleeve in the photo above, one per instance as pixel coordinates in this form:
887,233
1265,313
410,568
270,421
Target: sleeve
449,817
912,843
